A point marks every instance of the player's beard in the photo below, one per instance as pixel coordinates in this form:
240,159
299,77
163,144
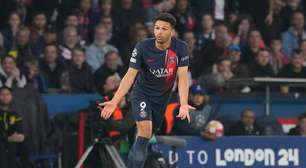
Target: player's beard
161,40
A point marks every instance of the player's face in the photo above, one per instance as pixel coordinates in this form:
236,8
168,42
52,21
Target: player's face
162,31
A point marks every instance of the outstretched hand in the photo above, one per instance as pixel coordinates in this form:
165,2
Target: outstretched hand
184,112
107,109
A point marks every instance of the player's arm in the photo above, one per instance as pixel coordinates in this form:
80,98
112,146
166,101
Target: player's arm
183,86
182,74
124,87
125,84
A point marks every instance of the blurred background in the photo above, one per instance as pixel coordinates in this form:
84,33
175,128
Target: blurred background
59,58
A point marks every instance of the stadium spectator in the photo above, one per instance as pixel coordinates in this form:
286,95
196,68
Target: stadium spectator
113,37
195,55
216,49
153,11
10,30
293,70
96,51
184,16
239,69
258,10
290,7
262,67
51,68
255,42
85,19
118,128
300,128
12,139
126,15
38,26
246,126
295,34
138,33
199,117
72,20
11,75
24,48
215,81
207,31
110,67
105,8
49,37
243,28
278,57
71,39
303,50
111,83
275,22
34,77
78,78
218,9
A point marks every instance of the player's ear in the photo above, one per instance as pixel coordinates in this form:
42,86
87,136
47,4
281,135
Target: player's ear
173,33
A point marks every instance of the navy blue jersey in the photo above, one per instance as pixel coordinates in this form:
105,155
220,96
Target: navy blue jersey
157,68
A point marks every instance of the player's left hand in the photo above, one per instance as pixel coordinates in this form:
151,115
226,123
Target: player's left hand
184,112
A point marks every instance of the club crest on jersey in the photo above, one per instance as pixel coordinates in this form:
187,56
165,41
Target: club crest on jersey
171,59
162,72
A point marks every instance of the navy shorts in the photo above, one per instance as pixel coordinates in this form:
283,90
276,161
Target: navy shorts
145,109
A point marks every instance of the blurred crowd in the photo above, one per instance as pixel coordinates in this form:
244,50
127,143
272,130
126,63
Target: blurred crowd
84,46
74,46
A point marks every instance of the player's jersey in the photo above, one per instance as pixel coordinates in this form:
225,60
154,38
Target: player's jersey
157,68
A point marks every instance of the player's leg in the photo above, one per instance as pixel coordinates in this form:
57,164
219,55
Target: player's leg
138,153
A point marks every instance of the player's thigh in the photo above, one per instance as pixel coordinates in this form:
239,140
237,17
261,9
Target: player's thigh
144,128
158,115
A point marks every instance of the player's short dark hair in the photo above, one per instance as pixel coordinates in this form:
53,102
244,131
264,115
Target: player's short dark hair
166,17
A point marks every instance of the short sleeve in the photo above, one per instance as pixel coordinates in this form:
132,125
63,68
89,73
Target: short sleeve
135,60
183,56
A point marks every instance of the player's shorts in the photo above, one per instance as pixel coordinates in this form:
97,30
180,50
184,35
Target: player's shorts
145,109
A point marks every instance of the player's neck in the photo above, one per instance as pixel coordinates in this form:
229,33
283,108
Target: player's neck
163,46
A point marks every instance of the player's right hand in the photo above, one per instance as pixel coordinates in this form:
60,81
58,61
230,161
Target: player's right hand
107,109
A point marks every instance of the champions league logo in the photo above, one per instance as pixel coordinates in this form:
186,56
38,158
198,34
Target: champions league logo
134,53
162,72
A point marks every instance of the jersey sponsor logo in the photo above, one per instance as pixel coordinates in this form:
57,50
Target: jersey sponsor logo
162,72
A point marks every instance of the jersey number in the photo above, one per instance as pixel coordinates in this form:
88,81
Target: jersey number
142,105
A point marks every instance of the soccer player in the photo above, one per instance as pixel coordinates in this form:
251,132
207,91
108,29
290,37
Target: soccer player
154,63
